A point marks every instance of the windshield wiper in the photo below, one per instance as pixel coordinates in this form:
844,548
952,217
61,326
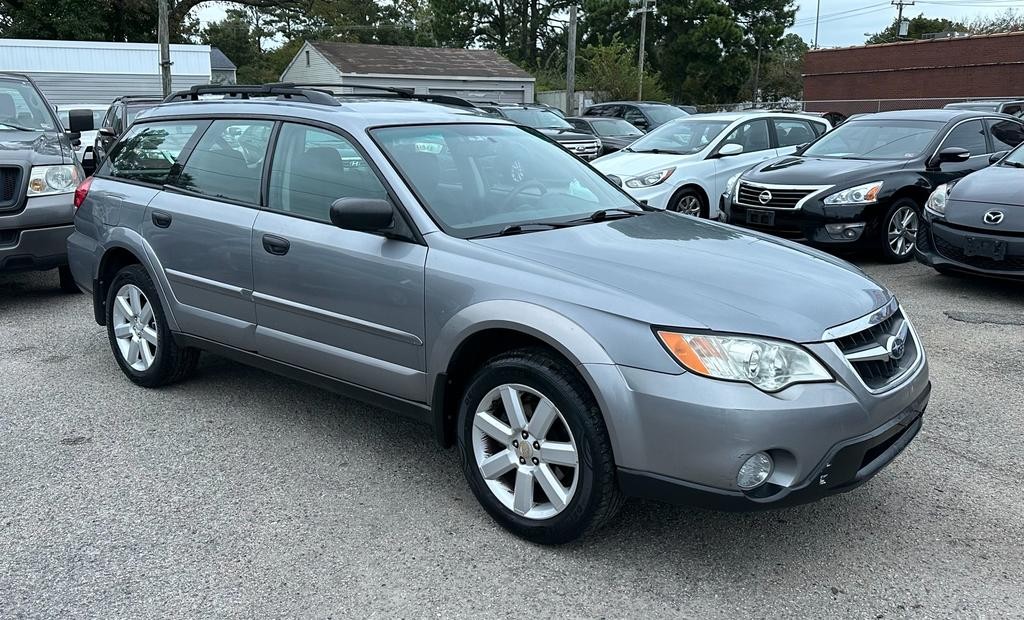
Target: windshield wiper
526,227
1014,164
614,213
659,151
18,127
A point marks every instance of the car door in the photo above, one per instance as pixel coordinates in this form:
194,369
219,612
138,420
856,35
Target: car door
342,303
755,138
200,229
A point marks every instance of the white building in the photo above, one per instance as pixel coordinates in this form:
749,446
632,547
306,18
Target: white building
477,74
94,72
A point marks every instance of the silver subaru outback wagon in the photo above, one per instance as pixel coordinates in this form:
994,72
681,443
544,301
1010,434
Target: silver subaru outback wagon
576,346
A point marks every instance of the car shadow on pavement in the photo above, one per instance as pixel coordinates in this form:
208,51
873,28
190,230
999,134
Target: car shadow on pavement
25,289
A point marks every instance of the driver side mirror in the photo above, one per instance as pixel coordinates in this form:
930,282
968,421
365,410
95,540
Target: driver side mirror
951,154
729,150
80,120
107,132
994,157
363,214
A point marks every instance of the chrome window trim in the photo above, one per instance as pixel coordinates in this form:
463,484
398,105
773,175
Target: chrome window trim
985,126
817,190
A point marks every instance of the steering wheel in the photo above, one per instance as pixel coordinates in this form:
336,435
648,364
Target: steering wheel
519,189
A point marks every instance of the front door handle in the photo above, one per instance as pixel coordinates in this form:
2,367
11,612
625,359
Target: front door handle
276,245
161,219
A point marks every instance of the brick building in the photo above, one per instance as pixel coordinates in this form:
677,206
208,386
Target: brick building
914,74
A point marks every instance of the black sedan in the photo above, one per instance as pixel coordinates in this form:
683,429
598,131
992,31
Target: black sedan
865,183
976,224
615,133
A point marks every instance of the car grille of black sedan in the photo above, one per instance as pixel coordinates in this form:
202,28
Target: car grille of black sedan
751,195
956,253
10,183
871,356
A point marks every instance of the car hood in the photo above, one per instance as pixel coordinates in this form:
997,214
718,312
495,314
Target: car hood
625,164
566,135
999,185
819,170
671,269
32,147
619,141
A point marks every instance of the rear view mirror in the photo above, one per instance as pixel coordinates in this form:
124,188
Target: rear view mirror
951,154
80,120
363,214
994,157
728,150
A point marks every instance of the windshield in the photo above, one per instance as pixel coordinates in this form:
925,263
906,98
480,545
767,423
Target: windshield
538,119
479,179
21,108
876,139
614,127
684,136
1015,158
663,113
97,116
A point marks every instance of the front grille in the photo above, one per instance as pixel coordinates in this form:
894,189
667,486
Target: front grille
955,253
587,150
781,198
10,186
875,353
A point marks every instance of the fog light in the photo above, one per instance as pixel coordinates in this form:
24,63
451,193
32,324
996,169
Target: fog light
846,232
754,471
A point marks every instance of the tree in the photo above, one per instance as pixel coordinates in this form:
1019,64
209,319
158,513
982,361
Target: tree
611,71
782,72
89,20
919,26
1007,21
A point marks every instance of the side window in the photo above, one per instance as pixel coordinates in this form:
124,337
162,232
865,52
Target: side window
313,167
633,115
581,125
148,152
228,161
1005,134
115,119
819,129
752,136
108,118
969,135
1014,109
792,132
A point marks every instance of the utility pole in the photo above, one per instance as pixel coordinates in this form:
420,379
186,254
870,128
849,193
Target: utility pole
570,68
646,6
163,37
899,4
817,16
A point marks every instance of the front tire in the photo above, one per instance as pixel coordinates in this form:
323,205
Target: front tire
139,337
898,232
689,202
535,449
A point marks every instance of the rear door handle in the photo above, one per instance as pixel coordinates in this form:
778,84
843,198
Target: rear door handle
161,219
276,245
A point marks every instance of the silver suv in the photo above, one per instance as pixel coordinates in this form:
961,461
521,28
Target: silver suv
576,346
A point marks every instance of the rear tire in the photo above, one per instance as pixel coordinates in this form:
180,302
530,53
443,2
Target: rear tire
898,231
139,337
564,467
67,281
689,202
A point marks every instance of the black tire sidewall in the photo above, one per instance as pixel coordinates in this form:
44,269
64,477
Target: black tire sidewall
883,228
575,408
162,363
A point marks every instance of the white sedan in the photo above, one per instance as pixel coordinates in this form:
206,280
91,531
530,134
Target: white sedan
685,164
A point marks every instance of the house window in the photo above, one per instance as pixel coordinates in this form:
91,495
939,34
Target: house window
307,58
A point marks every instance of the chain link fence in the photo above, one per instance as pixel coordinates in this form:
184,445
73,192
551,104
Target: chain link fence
837,110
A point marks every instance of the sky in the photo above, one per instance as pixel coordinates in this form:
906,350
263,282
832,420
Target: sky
841,22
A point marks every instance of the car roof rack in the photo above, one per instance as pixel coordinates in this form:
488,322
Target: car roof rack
138,98
398,93
282,91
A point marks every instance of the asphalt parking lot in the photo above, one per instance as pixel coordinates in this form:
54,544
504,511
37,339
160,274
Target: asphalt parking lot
239,493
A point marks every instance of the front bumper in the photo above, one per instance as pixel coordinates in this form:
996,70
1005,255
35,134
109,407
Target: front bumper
35,238
944,246
808,222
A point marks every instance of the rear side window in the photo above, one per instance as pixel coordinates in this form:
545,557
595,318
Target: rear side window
1005,134
314,167
147,153
228,161
969,135
792,132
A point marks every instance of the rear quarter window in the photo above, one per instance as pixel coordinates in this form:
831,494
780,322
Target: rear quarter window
147,152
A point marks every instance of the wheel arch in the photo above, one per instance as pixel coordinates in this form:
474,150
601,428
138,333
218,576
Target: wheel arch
122,247
692,185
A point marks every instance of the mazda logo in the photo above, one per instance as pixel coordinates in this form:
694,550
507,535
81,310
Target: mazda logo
764,197
993,217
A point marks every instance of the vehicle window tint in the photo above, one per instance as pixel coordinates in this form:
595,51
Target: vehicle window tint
752,136
227,162
313,167
148,152
115,120
581,125
108,118
633,116
791,132
819,129
970,136
1005,134
1015,109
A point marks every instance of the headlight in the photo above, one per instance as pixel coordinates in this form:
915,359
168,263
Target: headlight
652,178
936,203
860,195
53,180
769,365
731,183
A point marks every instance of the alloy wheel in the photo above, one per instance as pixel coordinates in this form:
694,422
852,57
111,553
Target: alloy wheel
903,231
135,327
525,451
689,205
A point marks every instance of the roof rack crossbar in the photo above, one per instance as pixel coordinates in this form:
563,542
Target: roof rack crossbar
285,91
402,93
